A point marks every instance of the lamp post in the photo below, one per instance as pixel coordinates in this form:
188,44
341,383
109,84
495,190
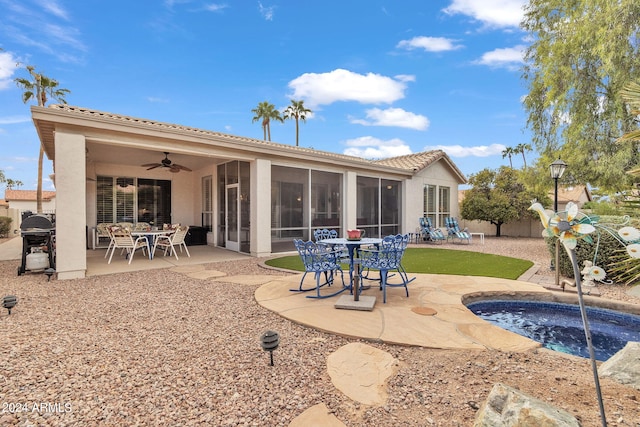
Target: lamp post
557,169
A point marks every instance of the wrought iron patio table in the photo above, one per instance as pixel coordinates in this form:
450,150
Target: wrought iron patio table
354,265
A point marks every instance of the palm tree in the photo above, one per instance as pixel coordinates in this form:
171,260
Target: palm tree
521,148
508,152
296,111
13,182
39,88
266,112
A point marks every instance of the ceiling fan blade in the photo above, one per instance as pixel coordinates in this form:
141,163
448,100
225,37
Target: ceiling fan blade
150,164
184,168
153,167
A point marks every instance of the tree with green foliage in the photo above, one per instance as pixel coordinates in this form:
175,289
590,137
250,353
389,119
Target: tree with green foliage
266,112
508,152
582,54
522,148
40,88
12,182
296,111
497,196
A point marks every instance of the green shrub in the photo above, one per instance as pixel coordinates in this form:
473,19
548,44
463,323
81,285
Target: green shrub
604,251
5,226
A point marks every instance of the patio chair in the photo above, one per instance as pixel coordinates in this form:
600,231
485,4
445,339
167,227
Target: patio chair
170,242
454,231
429,233
317,260
385,259
122,239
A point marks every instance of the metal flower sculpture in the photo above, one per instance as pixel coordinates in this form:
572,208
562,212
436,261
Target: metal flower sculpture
568,229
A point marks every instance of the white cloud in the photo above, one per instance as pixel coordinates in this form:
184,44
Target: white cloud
215,7
509,58
12,120
429,44
8,66
343,85
54,8
266,11
477,151
156,99
492,13
369,147
393,117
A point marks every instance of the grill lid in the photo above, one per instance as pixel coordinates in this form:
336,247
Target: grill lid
36,222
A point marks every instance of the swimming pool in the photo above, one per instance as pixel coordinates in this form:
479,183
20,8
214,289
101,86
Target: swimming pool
558,326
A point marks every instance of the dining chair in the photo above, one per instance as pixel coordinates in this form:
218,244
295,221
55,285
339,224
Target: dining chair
122,239
318,260
171,241
388,257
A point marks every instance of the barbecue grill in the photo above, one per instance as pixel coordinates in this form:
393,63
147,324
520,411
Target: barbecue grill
38,252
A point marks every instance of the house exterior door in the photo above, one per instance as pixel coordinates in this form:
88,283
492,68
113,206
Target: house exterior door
232,214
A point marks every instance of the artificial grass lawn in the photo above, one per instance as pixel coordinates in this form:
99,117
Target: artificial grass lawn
441,261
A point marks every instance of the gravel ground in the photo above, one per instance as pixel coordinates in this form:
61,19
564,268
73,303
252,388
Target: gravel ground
160,348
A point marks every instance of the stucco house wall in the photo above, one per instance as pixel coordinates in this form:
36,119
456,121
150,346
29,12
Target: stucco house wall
86,144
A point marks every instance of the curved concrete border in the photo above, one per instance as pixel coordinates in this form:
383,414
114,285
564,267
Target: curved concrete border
452,327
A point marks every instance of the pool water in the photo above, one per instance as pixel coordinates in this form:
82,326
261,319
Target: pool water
559,326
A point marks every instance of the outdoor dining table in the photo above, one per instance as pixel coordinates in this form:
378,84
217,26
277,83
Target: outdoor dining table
151,236
354,265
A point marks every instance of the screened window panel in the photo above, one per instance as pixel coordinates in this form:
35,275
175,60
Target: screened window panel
367,206
391,203
326,203
207,202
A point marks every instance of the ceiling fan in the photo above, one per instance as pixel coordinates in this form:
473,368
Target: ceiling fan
166,163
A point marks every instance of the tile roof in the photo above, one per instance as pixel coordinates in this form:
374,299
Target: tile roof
410,163
27,195
419,161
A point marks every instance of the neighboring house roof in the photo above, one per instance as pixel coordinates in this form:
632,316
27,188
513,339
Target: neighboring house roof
45,125
419,161
27,195
579,194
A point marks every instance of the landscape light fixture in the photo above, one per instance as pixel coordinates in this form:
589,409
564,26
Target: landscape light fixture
9,302
269,342
557,169
49,272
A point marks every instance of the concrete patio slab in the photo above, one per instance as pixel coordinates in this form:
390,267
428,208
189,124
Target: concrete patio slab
452,326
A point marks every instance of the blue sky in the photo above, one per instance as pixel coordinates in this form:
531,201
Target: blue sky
382,78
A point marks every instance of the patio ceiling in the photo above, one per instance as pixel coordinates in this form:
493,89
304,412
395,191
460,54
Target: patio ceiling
130,156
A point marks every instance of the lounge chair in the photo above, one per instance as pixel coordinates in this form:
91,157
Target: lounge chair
429,233
454,231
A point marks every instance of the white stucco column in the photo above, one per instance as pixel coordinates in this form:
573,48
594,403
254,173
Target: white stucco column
260,208
71,216
350,202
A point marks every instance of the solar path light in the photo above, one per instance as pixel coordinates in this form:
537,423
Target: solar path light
269,341
9,302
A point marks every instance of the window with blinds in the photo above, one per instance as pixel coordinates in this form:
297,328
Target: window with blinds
125,199
429,199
